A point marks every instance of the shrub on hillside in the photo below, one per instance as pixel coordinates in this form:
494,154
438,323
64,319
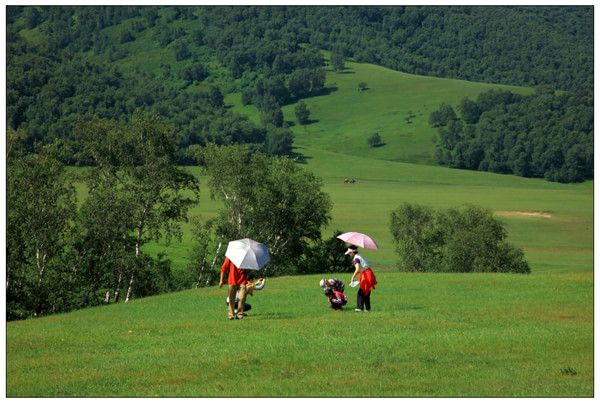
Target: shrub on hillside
375,140
279,141
455,240
127,36
182,51
193,72
302,113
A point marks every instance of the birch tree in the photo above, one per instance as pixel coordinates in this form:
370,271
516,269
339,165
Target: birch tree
40,208
105,241
271,200
140,158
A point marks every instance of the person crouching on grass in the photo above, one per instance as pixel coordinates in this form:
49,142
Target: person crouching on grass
336,298
333,283
236,282
366,279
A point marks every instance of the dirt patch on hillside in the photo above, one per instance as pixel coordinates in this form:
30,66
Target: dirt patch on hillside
542,214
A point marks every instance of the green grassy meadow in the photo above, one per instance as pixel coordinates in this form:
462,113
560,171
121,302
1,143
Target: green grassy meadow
427,335
434,335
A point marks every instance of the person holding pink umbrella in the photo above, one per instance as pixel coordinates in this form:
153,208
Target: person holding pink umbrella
366,279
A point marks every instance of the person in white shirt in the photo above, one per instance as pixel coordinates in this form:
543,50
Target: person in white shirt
366,279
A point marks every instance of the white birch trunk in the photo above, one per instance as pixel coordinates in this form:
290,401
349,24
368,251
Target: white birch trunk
200,275
118,289
129,288
212,266
40,260
138,242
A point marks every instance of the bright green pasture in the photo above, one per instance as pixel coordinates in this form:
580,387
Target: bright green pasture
427,335
563,241
345,118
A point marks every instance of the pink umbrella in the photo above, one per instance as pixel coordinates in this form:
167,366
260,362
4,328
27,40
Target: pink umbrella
358,239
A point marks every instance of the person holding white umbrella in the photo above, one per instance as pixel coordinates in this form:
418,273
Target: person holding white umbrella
236,283
240,255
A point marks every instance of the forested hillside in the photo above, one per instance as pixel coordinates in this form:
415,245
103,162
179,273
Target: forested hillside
65,62
545,135
511,45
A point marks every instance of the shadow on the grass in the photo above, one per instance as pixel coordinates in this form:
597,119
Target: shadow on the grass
273,315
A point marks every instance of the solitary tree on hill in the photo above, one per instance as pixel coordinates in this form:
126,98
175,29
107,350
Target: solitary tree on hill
337,61
127,36
302,113
375,140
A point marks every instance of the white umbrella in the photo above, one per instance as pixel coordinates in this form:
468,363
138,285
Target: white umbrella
248,254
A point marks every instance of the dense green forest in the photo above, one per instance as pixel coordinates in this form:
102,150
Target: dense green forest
545,135
60,60
512,45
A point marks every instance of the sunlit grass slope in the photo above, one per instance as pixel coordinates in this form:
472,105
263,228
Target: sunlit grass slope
396,105
427,335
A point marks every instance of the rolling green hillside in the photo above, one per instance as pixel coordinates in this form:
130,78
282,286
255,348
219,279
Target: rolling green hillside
428,335
396,105
335,148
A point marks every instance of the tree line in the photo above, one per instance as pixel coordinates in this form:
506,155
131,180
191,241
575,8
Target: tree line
547,134
63,256
64,253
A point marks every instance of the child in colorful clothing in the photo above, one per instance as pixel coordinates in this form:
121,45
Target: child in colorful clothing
336,298
366,279
332,283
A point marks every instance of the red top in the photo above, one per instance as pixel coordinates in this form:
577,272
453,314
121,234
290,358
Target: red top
236,276
337,297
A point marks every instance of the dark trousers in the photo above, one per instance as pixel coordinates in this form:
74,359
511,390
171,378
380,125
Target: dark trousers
363,300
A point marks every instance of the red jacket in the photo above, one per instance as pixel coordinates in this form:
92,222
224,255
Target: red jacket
236,276
367,280
338,298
